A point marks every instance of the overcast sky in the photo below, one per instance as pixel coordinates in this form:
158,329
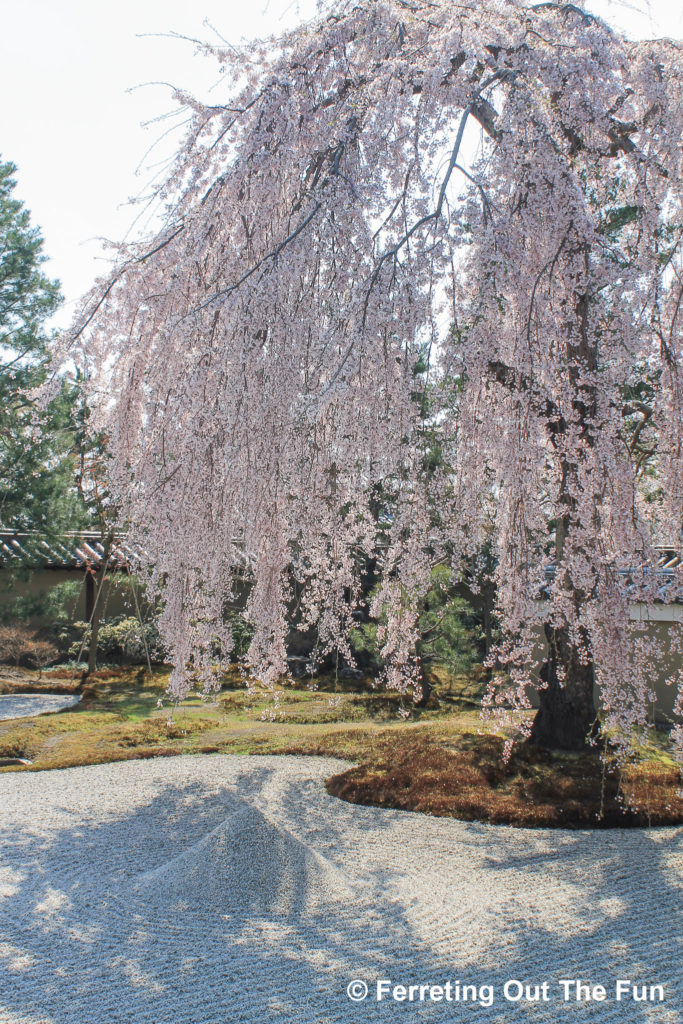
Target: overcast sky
77,132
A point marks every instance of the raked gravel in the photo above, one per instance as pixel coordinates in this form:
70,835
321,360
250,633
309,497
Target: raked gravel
25,705
235,890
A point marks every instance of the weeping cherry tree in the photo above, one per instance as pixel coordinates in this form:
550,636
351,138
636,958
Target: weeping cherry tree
498,185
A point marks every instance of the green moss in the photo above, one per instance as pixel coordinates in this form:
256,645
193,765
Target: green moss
435,760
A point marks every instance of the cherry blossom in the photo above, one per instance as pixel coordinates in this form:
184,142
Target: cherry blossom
496,184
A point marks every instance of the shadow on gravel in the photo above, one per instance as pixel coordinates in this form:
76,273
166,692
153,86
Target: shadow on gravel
205,907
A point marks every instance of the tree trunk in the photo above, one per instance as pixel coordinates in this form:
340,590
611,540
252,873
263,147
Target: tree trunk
567,716
96,614
94,634
422,695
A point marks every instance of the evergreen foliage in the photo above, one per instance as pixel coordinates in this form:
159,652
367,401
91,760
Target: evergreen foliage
37,488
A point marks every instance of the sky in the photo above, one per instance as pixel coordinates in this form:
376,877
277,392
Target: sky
83,87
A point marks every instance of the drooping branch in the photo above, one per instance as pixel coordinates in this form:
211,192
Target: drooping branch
270,368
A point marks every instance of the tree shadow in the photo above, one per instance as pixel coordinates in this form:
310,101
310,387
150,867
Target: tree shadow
260,897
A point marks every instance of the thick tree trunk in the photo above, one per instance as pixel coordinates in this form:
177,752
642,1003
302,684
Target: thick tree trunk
566,717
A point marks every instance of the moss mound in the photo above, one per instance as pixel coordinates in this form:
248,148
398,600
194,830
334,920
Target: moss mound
537,788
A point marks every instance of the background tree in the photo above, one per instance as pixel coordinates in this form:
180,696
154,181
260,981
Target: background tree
37,490
51,475
449,634
512,168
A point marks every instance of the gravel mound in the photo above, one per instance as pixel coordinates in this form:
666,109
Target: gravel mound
246,865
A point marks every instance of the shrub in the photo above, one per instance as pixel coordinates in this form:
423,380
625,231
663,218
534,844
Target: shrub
121,641
23,646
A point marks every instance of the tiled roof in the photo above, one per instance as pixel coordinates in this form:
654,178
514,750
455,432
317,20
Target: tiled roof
666,573
68,551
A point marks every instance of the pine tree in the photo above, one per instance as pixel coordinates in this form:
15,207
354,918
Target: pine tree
37,490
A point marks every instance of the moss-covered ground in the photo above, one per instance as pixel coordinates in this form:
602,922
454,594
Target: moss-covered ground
435,760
